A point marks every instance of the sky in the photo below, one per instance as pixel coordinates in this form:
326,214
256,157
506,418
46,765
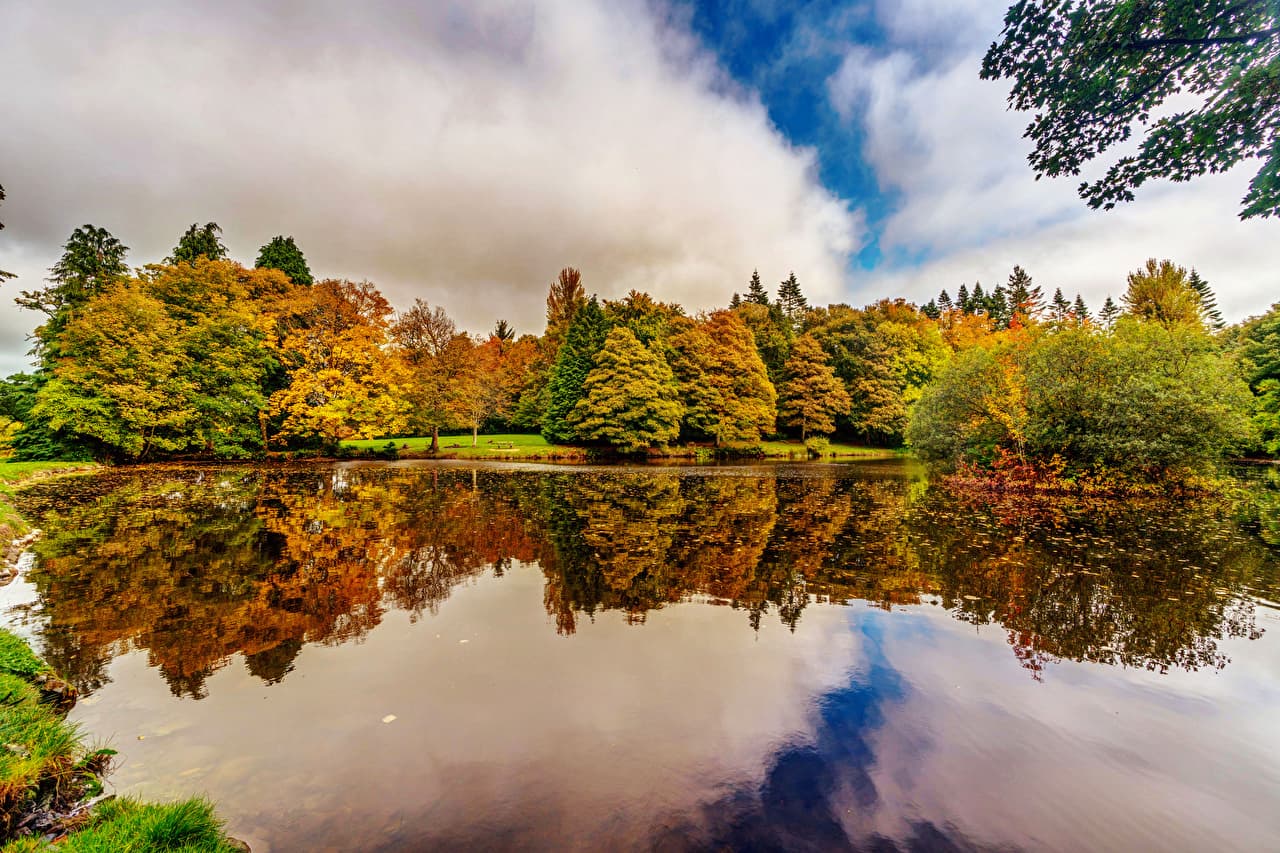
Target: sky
463,152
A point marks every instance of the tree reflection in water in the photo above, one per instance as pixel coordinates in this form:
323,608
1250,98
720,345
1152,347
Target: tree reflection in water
195,565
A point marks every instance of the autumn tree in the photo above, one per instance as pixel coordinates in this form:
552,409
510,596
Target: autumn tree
92,261
724,387
811,396
342,381
565,298
574,361
179,364
1094,73
434,357
490,380
630,401
283,254
1161,292
199,241
123,380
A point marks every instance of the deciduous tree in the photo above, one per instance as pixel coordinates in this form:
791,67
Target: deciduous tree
1094,72
811,397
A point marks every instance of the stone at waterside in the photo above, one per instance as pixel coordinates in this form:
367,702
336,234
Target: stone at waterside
56,692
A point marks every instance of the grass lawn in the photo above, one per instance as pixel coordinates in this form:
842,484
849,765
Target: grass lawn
796,448
507,446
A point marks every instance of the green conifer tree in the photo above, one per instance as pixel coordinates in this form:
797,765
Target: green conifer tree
755,290
1025,297
283,254
1060,307
944,302
1208,302
792,302
199,242
1110,311
574,362
1079,310
963,300
629,399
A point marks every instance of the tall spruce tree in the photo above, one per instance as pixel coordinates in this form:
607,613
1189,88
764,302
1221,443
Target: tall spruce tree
1110,311
628,399
755,290
1079,310
1025,297
944,302
1060,307
998,307
963,300
1208,302
735,301
283,254
978,299
199,242
574,362
930,310
792,302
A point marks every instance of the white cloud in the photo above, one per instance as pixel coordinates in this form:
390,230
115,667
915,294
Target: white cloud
458,153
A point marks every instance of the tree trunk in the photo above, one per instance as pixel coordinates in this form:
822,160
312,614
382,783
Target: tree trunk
435,439
475,434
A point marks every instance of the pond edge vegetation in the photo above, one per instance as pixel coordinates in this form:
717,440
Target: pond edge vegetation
52,781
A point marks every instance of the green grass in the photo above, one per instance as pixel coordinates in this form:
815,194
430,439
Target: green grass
487,447
44,760
129,826
797,449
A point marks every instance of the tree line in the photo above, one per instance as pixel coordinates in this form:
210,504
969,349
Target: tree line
199,355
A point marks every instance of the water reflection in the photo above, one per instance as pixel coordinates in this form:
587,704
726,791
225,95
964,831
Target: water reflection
195,565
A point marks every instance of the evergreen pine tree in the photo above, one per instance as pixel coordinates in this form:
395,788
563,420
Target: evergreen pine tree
792,301
283,254
1110,311
1080,310
199,242
1060,307
503,331
755,290
629,399
930,310
963,300
944,302
977,300
998,307
1025,297
1208,302
736,301
574,361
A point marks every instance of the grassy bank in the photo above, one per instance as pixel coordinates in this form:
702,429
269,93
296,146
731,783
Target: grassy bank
49,777
523,446
13,476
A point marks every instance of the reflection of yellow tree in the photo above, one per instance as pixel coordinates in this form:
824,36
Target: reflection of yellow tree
196,565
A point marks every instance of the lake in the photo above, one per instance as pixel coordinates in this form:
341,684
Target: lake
401,656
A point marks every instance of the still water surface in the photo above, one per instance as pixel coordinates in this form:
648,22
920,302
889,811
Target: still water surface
790,657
